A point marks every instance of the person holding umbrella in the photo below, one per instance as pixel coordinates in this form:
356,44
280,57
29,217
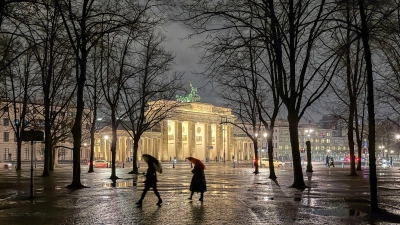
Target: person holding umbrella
151,178
198,183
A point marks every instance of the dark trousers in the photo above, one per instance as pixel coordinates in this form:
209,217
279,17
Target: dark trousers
146,188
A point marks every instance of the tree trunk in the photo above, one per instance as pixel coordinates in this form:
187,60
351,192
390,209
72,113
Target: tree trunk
272,174
371,110
350,138
298,182
255,143
134,157
92,133
113,143
55,157
77,127
47,138
19,146
350,88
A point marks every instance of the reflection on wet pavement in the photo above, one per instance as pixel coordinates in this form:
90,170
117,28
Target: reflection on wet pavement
234,196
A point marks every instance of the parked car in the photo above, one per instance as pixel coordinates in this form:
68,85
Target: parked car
347,159
99,163
265,162
5,165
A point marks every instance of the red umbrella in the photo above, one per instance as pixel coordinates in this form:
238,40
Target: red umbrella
197,162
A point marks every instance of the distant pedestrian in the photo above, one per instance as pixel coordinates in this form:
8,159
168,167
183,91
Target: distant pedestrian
151,180
331,163
327,161
198,183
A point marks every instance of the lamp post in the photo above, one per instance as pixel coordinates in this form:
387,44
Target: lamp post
266,142
381,148
398,150
307,133
256,135
224,119
84,148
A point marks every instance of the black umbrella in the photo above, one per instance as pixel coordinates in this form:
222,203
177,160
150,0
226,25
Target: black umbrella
151,160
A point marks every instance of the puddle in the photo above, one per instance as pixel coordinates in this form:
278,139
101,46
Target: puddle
48,188
122,184
339,212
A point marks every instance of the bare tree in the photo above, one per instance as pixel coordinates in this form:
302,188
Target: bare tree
93,96
118,70
55,61
86,23
148,95
294,29
365,36
19,86
352,78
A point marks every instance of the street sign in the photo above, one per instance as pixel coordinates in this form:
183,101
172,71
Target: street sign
32,135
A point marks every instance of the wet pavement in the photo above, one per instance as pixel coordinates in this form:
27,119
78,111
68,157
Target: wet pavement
234,196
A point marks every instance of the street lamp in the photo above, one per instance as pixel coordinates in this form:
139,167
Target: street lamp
381,147
265,137
398,150
307,133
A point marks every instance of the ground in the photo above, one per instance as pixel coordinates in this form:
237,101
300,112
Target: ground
234,196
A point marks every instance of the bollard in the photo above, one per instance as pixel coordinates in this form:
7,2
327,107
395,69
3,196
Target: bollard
342,164
123,165
173,164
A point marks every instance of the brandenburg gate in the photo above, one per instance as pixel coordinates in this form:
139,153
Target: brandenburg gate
199,130
193,128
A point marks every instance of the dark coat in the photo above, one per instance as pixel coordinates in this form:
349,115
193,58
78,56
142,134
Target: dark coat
151,177
198,183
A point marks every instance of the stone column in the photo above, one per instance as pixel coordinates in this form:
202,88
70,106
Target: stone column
178,140
104,152
191,139
229,148
218,141
163,153
208,140
143,146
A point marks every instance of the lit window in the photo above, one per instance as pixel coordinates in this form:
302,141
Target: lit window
6,136
5,122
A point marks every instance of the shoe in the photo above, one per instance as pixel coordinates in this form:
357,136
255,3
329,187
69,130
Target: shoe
159,202
201,199
190,198
139,203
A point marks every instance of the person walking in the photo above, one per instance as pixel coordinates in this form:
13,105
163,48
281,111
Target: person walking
150,182
331,162
327,160
198,183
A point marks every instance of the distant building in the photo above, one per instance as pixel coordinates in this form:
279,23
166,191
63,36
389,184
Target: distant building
34,119
323,141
